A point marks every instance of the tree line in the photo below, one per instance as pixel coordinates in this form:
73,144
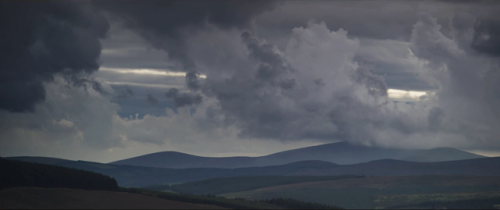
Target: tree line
26,174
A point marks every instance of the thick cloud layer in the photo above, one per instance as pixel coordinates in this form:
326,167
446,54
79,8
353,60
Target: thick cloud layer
327,81
316,90
41,39
313,90
166,23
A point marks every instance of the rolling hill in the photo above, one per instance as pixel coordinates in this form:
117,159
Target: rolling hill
481,166
146,176
340,153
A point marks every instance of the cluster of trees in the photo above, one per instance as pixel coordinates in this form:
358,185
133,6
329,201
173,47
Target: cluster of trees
479,203
207,199
295,204
218,186
236,203
25,174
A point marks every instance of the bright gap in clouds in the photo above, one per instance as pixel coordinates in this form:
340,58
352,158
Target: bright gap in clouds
402,95
147,72
405,95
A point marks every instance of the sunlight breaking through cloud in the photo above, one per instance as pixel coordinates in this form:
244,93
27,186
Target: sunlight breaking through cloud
406,95
163,72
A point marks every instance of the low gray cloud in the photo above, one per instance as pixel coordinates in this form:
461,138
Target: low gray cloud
487,37
183,99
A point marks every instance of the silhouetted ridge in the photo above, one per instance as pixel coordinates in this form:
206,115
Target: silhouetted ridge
127,175
341,153
25,174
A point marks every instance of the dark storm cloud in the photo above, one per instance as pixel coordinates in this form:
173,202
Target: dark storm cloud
487,36
183,99
150,98
40,39
165,23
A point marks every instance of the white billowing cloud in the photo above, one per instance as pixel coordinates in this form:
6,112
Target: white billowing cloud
468,81
332,97
82,124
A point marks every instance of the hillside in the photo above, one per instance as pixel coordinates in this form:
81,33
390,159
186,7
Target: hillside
136,176
481,167
25,174
359,193
217,186
30,198
340,153
33,185
146,176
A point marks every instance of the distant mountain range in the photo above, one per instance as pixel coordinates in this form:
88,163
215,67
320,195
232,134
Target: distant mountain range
143,176
340,153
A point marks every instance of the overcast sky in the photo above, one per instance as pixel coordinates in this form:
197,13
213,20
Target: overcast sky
107,80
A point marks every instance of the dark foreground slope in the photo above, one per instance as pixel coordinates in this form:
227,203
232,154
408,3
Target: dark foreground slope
340,153
59,198
26,174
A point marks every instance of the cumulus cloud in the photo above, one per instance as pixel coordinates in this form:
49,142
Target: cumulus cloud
468,80
242,89
316,89
311,90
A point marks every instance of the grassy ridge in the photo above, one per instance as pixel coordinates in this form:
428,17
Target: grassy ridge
217,186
